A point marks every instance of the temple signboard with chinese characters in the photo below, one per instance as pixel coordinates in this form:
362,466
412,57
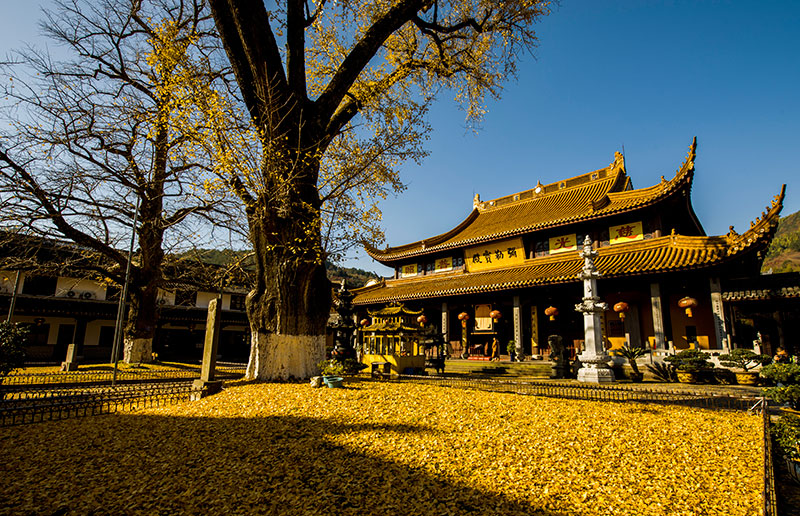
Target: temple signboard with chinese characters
563,244
505,253
443,264
625,233
519,253
409,270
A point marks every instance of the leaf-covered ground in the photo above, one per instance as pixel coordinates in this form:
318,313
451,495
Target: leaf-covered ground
386,449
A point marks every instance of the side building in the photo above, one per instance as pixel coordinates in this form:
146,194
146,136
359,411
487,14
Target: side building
60,307
518,255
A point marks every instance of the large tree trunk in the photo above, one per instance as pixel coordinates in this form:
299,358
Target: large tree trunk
143,311
139,332
289,307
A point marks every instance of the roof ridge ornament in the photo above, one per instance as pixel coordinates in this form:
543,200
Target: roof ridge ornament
476,201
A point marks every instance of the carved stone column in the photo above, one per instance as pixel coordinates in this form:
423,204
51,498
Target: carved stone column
594,357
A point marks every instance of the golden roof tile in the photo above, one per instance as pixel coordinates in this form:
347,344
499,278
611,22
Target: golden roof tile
595,194
658,255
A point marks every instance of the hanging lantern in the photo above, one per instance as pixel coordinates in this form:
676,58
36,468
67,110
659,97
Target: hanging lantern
621,308
552,312
495,315
364,322
422,320
463,317
688,303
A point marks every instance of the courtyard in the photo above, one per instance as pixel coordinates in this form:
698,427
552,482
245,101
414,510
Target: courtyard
267,448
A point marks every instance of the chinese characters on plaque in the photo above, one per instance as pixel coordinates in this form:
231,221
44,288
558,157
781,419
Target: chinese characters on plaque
563,244
443,264
625,233
498,254
408,270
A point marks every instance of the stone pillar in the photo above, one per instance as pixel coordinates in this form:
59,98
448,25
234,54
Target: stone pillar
720,328
519,350
534,331
594,357
71,363
658,316
445,325
206,385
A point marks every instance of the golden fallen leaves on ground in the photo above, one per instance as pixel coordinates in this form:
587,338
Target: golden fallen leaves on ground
375,448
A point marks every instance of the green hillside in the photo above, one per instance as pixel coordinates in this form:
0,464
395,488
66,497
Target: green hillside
784,252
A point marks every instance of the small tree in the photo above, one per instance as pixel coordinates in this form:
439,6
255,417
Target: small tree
690,361
788,376
12,340
632,353
744,359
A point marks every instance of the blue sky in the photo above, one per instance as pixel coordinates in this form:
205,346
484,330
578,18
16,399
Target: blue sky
648,75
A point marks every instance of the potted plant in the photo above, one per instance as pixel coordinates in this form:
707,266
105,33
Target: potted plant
787,377
511,348
744,359
632,353
786,434
332,371
690,363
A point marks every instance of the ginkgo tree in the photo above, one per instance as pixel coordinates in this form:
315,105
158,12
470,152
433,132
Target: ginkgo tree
93,137
338,89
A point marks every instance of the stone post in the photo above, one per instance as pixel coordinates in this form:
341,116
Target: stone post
594,357
71,363
206,385
720,327
658,316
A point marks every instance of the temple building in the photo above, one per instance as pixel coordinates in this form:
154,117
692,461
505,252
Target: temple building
519,255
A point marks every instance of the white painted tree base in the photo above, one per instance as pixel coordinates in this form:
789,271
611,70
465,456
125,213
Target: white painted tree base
138,351
281,357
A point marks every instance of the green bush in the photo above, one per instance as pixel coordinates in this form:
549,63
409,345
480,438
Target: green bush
744,359
690,360
663,371
12,340
788,378
786,432
331,367
788,374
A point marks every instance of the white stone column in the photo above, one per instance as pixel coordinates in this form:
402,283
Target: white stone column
445,324
518,330
658,316
594,358
719,315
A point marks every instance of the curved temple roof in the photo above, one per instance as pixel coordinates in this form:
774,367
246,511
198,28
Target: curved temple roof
664,254
595,194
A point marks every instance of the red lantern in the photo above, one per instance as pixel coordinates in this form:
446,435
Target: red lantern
463,317
364,322
495,315
422,320
552,312
688,303
621,308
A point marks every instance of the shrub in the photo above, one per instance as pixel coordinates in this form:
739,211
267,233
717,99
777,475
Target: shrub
632,353
663,371
331,367
784,373
744,359
12,340
788,378
690,360
786,432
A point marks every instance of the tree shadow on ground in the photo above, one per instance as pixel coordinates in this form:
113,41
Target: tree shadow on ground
278,465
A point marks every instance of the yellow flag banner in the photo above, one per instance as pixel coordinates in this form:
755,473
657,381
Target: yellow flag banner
563,244
409,270
625,233
492,256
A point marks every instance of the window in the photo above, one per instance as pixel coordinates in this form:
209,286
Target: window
237,302
39,286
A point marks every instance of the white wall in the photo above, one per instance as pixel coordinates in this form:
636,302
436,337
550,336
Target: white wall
79,286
